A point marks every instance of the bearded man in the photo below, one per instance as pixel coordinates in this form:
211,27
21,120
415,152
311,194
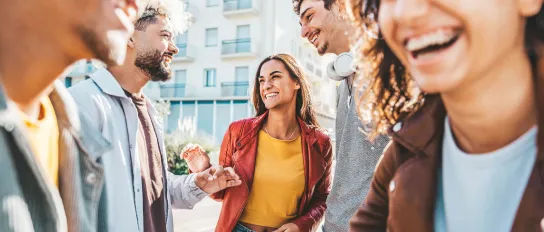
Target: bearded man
137,179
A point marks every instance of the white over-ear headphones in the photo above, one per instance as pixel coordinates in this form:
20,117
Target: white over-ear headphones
343,66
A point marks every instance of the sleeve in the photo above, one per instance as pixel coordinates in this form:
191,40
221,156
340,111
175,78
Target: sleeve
372,214
317,206
183,191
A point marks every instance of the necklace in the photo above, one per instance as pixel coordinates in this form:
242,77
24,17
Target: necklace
290,137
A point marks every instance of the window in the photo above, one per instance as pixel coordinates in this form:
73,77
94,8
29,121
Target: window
242,32
211,37
222,117
240,109
205,121
173,118
209,77
181,43
180,76
241,74
212,3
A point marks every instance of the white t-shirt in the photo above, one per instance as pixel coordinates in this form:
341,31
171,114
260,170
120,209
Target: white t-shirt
481,192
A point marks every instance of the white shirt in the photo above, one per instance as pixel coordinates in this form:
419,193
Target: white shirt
481,192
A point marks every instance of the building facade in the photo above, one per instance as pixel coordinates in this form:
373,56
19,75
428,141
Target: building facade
217,62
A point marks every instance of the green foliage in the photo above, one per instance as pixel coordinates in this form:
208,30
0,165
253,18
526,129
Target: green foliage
176,141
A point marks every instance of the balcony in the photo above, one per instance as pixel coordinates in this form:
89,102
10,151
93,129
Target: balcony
172,90
238,48
182,55
234,8
235,89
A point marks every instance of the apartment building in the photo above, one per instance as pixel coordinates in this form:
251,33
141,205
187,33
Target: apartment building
218,57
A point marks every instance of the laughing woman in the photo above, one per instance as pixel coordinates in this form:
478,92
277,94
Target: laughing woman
469,154
282,157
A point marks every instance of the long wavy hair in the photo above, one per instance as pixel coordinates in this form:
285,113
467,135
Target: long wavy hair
386,91
304,108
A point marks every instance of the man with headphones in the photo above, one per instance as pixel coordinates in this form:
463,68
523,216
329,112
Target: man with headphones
324,24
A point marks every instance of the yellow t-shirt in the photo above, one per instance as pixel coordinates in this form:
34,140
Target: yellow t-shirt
278,182
43,135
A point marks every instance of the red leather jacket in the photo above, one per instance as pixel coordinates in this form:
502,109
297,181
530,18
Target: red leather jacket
239,149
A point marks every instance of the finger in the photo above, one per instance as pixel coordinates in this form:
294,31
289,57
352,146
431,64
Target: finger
233,183
230,172
219,170
205,175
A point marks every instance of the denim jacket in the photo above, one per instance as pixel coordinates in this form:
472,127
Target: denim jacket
30,202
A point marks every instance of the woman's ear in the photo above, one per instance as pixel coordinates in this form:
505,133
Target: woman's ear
297,86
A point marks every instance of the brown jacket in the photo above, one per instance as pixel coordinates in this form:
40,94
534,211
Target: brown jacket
239,150
403,191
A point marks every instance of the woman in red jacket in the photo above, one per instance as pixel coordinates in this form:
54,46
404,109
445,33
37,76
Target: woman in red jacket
281,156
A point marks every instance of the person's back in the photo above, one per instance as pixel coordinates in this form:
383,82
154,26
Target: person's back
325,26
50,176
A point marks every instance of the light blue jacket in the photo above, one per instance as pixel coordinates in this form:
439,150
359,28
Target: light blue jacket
115,115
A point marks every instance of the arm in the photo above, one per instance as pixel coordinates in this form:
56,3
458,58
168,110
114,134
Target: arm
225,158
183,191
317,206
372,214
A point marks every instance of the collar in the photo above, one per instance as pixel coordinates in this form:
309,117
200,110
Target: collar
107,83
422,131
258,122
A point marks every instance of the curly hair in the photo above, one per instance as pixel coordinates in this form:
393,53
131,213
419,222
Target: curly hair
386,91
328,4
174,10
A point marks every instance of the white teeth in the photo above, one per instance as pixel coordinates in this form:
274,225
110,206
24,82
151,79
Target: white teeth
314,38
271,95
438,37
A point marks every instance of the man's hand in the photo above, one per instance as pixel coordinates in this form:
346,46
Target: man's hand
217,178
196,158
289,227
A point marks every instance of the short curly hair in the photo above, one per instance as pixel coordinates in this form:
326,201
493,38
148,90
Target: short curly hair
174,10
297,3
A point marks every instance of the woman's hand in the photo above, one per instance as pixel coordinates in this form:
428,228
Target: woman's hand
289,227
196,158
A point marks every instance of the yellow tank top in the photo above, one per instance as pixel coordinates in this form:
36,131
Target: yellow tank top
278,182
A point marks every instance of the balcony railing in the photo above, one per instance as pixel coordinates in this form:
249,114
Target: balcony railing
232,5
236,46
172,90
237,88
182,50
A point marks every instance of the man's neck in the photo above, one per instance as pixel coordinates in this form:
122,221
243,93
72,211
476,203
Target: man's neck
496,108
344,33
130,78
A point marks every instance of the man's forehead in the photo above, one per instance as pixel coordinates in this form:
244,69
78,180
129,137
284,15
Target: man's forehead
307,4
163,23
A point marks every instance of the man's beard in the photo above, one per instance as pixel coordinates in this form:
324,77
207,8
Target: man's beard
328,23
152,64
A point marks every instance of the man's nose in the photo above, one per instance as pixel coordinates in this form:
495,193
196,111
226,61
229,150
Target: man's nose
305,32
173,48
